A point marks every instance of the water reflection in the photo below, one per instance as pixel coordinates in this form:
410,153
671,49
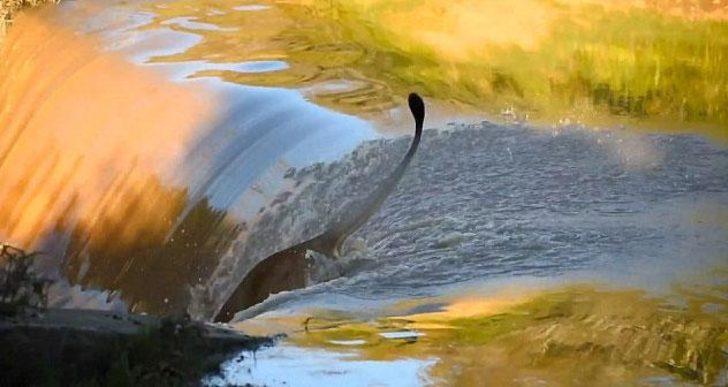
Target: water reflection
531,337
652,66
286,365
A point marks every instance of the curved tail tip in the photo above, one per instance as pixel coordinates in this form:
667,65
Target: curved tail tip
417,106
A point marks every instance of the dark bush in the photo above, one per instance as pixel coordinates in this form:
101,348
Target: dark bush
20,287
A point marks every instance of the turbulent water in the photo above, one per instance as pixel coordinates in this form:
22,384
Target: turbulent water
157,151
130,181
136,153
487,201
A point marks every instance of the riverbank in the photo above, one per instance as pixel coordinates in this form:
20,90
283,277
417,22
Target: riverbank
55,346
89,347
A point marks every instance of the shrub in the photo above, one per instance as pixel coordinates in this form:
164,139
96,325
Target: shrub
20,287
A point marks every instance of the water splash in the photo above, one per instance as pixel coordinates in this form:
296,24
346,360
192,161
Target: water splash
133,182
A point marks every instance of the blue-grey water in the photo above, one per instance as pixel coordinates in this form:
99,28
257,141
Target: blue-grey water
488,201
269,167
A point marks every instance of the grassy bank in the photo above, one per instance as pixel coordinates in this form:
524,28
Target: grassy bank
85,347
576,60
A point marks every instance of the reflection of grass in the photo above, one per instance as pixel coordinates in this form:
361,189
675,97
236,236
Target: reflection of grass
572,336
598,64
592,63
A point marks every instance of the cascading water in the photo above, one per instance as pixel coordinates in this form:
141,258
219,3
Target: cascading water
134,183
146,167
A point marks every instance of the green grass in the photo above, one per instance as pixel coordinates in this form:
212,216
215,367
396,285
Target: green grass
596,66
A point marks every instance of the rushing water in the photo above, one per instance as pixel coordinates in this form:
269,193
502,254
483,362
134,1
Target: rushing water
487,201
158,150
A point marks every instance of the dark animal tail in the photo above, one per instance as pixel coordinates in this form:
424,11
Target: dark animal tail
417,107
330,242
285,270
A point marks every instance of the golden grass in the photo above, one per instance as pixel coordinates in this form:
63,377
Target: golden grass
594,64
8,8
652,65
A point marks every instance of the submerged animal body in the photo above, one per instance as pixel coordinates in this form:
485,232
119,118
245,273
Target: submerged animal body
286,270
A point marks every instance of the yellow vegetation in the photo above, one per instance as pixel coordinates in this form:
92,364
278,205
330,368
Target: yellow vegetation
9,7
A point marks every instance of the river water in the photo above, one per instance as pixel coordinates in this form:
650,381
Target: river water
158,150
